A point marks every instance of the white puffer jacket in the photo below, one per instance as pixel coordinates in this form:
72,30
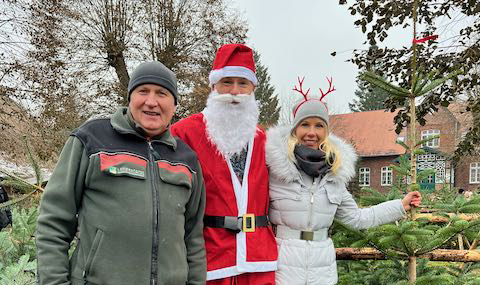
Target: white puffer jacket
307,206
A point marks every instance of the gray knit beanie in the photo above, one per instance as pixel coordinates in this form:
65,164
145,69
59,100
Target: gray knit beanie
153,72
310,108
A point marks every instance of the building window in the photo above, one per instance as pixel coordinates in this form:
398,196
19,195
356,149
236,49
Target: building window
475,172
428,180
386,176
430,133
364,176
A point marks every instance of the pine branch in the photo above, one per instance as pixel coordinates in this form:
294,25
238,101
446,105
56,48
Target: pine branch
430,138
362,237
425,79
386,86
405,146
454,232
22,180
18,185
15,201
35,166
438,82
425,173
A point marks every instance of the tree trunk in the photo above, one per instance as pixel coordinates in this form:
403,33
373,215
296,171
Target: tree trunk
118,62
436,255
461,247
440,219
412,260
412,270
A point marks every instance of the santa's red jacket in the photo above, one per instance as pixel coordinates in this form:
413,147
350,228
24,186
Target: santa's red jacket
230,253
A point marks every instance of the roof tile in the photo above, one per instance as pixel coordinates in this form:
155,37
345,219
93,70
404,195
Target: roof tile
372,133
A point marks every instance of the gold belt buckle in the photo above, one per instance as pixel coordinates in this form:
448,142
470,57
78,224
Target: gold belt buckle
248,224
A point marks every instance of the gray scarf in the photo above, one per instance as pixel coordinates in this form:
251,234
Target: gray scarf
311,161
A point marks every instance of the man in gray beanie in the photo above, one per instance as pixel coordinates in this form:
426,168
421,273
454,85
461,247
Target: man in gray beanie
135,193
153,72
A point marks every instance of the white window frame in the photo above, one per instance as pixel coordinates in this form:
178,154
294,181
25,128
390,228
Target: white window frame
364,176
386,177
474,173
435,143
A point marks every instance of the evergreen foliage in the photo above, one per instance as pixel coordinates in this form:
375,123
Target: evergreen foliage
391,272
20,273
398,241
369,98
17,248
412,237
394,272
18,240
20,185
265,95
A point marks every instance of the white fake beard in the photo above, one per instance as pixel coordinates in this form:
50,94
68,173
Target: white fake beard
231,126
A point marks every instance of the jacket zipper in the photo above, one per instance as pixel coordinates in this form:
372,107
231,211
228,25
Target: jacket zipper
154,273
88,263
310,209
309,224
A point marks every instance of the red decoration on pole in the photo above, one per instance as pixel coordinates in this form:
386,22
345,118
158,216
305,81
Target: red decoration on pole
422,40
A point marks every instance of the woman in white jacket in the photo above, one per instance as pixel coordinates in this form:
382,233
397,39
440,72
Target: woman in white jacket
309,171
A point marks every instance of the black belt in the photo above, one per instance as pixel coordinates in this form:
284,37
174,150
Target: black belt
245,223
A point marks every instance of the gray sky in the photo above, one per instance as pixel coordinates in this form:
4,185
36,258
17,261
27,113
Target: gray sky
295,38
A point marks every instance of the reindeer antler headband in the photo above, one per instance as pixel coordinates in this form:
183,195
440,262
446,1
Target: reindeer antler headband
331,88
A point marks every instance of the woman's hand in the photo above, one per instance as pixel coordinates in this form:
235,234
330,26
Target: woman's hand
411,199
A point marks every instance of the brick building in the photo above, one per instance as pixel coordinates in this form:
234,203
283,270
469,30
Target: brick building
373,135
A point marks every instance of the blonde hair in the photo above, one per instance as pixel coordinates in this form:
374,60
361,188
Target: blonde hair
332,155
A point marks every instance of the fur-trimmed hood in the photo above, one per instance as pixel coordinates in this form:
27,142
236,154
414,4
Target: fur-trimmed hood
283,168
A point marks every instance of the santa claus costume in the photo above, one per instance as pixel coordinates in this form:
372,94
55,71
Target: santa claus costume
240,244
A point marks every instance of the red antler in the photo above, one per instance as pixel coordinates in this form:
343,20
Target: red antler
331,88
301,88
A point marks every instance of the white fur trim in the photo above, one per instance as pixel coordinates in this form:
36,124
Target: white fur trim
262,266
241,194
222,273
241,190
232,71
283,168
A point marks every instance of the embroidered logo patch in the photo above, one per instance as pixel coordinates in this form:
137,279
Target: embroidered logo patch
113,170
124,170
123,165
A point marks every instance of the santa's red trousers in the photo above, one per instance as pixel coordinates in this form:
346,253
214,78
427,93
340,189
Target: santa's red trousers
254,278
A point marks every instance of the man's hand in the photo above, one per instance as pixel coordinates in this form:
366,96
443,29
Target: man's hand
411,199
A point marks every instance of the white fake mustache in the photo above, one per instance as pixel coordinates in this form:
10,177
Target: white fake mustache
229,98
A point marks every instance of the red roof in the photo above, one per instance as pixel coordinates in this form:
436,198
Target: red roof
372,133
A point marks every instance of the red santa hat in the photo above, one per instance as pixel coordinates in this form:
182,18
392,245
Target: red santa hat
233,60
